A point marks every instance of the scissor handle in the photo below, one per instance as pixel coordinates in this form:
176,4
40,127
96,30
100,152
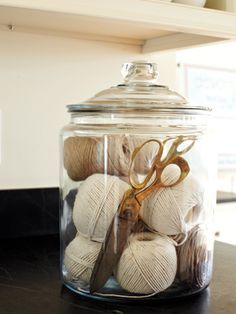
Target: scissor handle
159,165
183,165
180,162
175,149
134,184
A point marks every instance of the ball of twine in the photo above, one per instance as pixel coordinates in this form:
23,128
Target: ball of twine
80,257
111,154
194,258
148,264
96,203
82,157
167,210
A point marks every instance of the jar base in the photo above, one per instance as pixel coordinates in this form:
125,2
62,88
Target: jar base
176,291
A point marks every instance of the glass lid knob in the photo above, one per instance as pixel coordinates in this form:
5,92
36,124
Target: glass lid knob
139,72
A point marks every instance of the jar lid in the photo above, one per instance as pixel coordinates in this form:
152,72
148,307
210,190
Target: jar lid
138,92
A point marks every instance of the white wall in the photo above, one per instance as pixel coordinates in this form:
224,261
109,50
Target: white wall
39,75
221,56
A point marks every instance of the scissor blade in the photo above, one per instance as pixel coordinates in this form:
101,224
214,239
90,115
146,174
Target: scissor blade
111,251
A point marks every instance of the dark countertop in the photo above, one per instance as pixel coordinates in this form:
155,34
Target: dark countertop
30,284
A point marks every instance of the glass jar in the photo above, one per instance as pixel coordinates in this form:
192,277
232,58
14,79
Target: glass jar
137,192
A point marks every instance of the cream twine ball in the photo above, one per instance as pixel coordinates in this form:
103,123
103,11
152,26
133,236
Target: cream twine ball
110,154
173,210
96,203
80,257
148,264
194,258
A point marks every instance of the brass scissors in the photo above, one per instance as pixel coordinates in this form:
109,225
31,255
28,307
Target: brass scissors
127,214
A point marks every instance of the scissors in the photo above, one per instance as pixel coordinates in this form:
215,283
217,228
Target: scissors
127,214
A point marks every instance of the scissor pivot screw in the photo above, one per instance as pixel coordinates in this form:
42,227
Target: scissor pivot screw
128,213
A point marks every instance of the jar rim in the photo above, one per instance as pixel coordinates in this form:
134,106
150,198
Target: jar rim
105,108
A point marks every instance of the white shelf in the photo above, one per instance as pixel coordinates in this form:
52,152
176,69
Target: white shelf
153,25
